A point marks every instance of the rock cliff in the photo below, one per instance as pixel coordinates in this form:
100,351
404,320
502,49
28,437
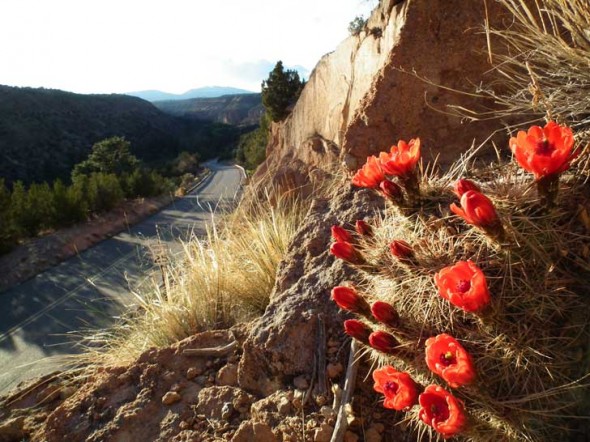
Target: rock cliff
395,80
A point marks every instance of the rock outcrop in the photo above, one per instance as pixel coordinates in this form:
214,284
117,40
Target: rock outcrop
396,80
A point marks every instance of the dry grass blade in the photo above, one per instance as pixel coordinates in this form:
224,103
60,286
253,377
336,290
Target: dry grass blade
217,281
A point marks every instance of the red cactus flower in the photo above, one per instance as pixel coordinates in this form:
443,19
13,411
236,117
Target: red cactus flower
385,313
402,159
476,209
384,342
340,234
401,250
442,411
463,185
357,330
363,229
346,251
463,285
370,175
448,359
391,191
543,151
399,389
349,299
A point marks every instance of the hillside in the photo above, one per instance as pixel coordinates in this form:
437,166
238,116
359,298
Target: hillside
43,132
242,109
201,92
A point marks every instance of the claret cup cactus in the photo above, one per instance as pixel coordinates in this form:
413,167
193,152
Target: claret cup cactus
478,318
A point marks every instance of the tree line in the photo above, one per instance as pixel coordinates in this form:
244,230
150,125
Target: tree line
109,175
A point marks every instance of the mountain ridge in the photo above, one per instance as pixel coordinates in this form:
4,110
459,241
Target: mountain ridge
154,95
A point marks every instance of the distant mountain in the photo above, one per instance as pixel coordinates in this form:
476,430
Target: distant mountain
45,132
202,92
239,110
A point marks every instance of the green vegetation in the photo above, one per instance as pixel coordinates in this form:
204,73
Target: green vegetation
45,133
252,147
109,175
110,156
357,25
280,90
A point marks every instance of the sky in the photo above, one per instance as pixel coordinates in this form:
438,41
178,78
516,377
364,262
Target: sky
114,46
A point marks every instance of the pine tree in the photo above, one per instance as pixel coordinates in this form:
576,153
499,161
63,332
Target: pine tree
110,156
280,90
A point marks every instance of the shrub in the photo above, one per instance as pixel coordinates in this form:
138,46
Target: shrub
357,25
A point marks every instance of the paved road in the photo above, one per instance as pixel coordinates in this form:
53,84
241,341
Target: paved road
38,317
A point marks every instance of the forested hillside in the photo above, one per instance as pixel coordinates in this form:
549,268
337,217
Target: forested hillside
44,132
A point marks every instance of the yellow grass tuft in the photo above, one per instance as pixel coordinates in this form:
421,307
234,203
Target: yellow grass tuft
217,281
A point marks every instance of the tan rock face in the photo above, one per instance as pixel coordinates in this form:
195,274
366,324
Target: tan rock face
358,101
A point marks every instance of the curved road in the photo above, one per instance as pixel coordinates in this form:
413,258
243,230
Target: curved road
38,317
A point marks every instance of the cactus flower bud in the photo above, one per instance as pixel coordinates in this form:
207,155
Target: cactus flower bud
384,342
363,229
348,298
340,234
391,190
385,313
347,252
357,330
463,185
401,250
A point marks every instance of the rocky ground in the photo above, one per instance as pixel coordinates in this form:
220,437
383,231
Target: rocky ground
278,378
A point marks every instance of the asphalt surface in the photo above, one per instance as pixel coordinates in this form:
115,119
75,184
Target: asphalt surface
42,317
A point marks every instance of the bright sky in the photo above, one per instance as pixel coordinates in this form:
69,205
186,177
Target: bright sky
104,46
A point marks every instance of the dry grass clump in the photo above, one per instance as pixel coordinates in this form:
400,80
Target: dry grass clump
529,344
216,281
544,70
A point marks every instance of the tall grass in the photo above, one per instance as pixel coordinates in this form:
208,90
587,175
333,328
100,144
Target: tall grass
541,57
217,281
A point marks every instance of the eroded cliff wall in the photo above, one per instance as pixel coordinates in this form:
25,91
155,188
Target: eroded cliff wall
396,80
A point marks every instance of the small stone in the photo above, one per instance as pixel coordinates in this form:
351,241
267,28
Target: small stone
184,425
321,399
324,433
66,392
228,375
254,431
193,372
300,382
372,435
226,411
284,405
349,436
334,370
176,388
171,398
327,412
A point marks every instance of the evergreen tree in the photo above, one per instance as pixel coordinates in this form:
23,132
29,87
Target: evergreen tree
280,90
104,192
110,156
21,214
